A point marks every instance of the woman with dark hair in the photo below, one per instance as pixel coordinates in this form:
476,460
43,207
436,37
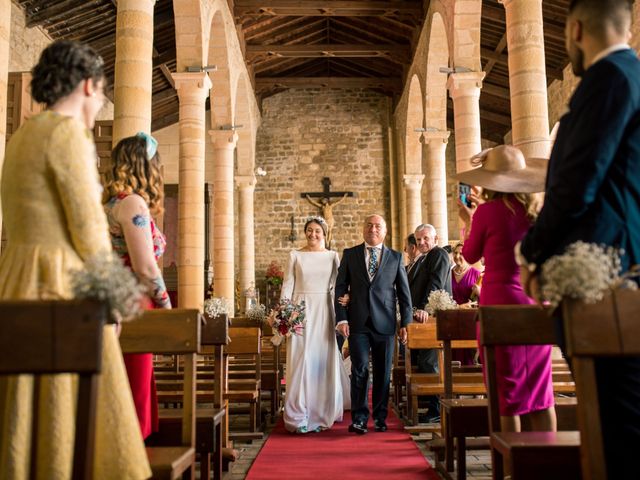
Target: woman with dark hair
133,193
54,222
317,382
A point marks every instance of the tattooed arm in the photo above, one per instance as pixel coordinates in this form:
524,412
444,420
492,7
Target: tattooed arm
134,217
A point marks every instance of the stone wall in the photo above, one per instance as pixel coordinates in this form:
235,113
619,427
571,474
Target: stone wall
308,134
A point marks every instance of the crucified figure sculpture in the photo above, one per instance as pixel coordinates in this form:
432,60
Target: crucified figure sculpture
326,207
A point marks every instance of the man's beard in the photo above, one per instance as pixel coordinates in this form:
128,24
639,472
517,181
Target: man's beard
576,56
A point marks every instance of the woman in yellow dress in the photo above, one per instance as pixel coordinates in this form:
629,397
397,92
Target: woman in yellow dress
54,221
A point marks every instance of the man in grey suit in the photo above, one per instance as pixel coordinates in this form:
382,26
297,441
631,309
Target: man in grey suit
376,280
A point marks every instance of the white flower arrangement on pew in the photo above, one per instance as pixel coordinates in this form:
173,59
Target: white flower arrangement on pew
257,313
440,300
585,271
105,277
215,306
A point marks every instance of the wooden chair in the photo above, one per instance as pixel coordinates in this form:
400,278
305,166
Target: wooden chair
606,329
170,332
531,455
51,337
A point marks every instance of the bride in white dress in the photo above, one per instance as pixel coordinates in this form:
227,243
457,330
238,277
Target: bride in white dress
317,390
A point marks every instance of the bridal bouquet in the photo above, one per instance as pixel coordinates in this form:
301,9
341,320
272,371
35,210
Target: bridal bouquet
585,271
440,300
104,277
286,318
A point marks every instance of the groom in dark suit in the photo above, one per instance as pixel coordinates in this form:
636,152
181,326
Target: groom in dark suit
593,193
375,279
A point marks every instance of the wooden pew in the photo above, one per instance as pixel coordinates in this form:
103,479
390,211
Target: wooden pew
423,336
271,363
246,342
172,332
531,455
468,417
606,329
50,337
211,419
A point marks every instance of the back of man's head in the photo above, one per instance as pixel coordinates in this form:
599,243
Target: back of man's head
411,239
599,15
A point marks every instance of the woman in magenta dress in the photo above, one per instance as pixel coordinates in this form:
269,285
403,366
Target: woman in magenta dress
497,224
464,286
133,192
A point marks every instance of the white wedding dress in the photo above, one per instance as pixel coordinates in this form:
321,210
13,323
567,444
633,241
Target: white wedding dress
317,390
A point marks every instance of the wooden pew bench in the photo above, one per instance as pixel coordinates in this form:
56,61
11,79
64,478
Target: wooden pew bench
548,455
606,329
52,337
175,332
211,416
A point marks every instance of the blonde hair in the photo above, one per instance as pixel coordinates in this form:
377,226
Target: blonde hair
133,172
532,202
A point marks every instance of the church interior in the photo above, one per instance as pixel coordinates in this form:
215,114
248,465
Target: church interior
266,114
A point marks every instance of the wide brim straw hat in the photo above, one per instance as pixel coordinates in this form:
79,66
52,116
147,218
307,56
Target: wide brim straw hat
504,169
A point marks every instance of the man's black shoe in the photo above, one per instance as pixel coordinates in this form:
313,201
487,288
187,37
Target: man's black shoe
358,427
380,426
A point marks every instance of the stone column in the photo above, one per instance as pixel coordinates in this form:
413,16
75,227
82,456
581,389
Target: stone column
527,77
193,90
5,30
464,89
434,149
133,68
246,186
224,144
413,188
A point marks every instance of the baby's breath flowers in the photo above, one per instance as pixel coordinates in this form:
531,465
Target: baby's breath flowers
257,313
104,277
440,300
216,306
585,271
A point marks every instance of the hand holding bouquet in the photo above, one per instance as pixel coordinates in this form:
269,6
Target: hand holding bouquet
286,318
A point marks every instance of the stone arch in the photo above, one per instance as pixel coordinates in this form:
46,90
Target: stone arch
247,133
191,39
415,120
465,34
218,54
436,82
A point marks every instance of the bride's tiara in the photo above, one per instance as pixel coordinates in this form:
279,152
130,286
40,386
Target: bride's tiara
317,219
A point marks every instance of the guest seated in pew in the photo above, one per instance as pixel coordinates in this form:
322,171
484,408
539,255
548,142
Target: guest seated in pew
54,222
593,193
498,220
464,287
133,193
433,273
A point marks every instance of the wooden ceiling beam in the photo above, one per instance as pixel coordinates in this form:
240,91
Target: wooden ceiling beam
387,83
325,50
495,90
65,9
307,8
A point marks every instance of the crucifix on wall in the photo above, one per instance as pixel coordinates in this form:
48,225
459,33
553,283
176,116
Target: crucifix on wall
326,205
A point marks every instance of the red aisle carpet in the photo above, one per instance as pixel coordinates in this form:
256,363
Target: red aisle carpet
338,454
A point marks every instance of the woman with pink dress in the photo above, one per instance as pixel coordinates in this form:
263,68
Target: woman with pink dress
464,288
503,215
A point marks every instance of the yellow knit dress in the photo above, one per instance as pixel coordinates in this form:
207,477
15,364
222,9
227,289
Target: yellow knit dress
53,221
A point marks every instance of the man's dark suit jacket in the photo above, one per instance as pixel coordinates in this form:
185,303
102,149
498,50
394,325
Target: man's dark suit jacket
375,299
593,181
433,272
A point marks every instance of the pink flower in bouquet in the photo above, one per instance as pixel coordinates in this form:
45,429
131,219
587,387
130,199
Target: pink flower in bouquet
286,319
298,329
